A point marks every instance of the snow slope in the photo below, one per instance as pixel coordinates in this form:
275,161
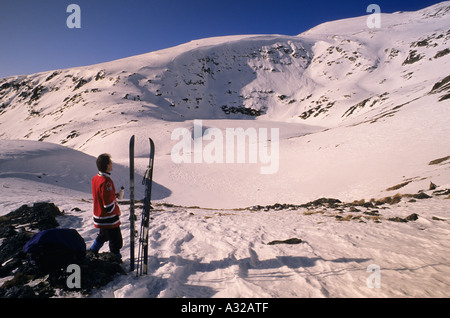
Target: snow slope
198,252
361,113
341,79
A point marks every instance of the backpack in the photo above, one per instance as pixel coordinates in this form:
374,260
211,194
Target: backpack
56,248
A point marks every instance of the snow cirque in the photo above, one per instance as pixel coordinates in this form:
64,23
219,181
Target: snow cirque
362,114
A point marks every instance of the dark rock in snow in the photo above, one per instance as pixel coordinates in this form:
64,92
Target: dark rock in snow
40,216
15,231
412,217
288,241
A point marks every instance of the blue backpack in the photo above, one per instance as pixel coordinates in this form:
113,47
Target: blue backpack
56,248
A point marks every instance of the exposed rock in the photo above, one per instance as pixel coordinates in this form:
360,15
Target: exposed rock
28,280
412,217
288,241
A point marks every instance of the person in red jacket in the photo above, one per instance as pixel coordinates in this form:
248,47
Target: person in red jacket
106,210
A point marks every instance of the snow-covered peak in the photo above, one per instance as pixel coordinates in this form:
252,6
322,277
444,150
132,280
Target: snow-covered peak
433,17
321,77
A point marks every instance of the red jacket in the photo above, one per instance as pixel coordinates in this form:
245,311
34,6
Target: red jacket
106,210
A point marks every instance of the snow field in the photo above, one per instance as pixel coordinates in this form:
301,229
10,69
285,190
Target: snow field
225,253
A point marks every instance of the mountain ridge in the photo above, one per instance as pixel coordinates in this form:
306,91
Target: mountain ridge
282,78
357,113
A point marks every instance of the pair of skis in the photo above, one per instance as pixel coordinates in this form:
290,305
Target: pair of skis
142,259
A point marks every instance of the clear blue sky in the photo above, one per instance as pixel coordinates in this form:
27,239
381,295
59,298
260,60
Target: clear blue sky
35,37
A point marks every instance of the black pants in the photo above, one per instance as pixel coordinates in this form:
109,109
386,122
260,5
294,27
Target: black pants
114,236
